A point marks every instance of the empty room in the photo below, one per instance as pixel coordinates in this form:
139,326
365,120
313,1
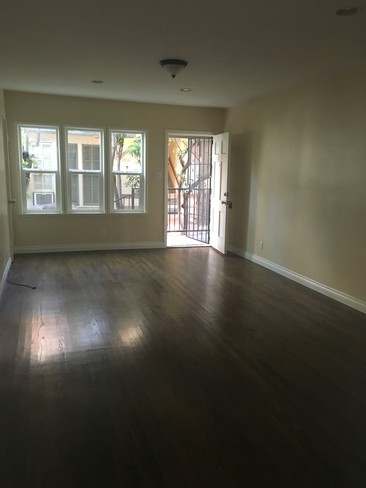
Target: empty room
183,244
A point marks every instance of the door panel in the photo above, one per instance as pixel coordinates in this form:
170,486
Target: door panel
220,166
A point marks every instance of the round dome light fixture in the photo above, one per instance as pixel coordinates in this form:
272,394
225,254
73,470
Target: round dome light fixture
173,66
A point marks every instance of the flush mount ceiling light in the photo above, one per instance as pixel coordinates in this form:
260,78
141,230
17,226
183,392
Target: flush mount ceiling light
173,66
343,12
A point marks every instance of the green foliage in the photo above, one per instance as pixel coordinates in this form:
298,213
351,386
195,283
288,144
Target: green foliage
182,178
182,153
29,160
120,139
134,149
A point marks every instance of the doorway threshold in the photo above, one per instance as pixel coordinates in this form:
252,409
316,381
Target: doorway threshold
175,239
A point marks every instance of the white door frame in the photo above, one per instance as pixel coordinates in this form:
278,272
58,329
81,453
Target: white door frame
168,134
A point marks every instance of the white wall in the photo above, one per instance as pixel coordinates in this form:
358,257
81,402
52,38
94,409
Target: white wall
298,181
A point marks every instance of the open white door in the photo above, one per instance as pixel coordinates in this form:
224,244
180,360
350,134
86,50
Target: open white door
219,196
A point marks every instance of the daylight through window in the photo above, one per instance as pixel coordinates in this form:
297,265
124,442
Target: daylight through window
39,149
128,150
80,175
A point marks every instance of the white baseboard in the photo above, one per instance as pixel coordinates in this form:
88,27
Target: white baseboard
303,280
113,246
5,275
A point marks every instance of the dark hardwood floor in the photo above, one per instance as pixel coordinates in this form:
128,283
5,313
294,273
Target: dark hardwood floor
177,368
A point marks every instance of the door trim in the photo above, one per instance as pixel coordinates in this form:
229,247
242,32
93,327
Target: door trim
175,133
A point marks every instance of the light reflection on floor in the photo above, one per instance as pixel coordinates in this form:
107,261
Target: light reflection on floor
132,336
49,341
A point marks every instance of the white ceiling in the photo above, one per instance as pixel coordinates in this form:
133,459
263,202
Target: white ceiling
236,49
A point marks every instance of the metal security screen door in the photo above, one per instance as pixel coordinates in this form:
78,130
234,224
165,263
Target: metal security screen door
199,189
189,187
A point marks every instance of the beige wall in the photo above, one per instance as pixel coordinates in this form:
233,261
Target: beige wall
298,180
4,223
45,230
298,175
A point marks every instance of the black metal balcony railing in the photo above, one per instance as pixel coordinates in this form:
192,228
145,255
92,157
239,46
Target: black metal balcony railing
188,212
128,201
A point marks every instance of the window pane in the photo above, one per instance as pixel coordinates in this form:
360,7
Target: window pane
127,152
85,192
91,157
72,152
40,191
39,148
42,182
85,153
126,192
127,168
75,191
91,190
89,143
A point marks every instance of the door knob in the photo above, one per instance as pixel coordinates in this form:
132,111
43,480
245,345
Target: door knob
11,200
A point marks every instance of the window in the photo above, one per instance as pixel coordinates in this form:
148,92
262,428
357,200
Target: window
128,171
40,173
81,169
85,170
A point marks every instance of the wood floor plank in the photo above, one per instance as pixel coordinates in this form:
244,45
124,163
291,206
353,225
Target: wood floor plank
177,368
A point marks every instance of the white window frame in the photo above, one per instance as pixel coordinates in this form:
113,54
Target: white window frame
70,171
142,173
23,171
